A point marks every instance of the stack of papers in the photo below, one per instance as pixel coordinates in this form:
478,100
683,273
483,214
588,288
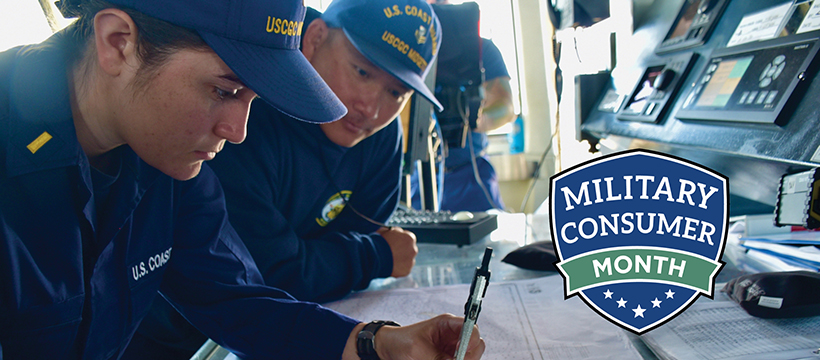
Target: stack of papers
798,249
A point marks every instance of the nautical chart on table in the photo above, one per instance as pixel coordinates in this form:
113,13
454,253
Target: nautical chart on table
523,319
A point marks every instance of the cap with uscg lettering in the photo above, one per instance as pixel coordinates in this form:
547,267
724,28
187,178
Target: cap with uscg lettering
400,36
259,41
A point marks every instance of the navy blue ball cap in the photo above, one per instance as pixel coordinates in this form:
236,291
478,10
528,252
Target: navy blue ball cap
400,36
259,41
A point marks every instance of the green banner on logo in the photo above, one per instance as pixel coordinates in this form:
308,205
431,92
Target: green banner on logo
638,264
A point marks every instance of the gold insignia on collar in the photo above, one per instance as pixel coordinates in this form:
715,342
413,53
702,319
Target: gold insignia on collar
421,35
39,142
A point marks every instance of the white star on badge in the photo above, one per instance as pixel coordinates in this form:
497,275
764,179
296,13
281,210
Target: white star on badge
621,303
670,294
608,294
656,303
638,311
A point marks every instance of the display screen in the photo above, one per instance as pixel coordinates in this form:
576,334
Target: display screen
685,21
645,90
723,81
755,80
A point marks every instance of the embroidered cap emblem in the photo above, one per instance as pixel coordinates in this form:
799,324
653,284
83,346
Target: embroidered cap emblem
421,35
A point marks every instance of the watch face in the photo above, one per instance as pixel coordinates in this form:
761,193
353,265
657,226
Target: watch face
364,341
364,344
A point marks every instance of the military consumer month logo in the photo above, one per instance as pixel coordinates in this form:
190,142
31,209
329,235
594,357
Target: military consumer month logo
639,235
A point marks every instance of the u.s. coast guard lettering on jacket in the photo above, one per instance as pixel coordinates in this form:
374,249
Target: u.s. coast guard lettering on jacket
639,235
153,263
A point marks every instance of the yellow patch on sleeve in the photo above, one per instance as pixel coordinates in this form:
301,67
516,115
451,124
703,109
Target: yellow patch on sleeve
39,142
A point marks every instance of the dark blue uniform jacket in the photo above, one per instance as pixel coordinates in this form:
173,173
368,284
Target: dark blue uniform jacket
291,193
72,286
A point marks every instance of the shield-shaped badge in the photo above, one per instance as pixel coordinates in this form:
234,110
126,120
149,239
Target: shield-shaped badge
639,235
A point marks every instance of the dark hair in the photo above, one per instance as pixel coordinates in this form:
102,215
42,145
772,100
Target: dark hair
156,41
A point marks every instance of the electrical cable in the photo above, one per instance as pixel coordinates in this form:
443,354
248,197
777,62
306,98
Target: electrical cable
465,116
517,61
477,176
537,170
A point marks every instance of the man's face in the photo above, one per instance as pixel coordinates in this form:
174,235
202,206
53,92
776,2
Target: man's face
184,114
372,96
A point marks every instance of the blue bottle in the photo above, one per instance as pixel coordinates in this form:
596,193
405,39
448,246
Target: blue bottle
516,137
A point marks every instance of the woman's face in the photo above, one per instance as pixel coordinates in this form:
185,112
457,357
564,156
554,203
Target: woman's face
184,113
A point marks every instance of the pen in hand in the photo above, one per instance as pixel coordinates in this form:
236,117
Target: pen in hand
473,306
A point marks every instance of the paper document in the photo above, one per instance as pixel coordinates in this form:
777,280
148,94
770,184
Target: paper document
776,263
762,25
523,319
712,329
792,238
805,255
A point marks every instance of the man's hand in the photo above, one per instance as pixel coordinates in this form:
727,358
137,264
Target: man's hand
435,339
403,246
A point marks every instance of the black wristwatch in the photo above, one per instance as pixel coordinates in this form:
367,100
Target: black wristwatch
364,342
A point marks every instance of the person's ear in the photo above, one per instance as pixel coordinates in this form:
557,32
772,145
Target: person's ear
115,35
315,35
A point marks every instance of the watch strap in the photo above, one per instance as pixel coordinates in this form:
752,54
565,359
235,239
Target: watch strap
365,345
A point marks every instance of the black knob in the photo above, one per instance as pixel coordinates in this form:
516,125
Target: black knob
664,79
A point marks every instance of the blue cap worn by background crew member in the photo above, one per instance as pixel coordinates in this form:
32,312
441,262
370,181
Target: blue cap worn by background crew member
259,41
400,36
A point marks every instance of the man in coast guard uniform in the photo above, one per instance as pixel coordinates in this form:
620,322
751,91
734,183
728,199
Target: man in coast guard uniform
105,201
318,192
